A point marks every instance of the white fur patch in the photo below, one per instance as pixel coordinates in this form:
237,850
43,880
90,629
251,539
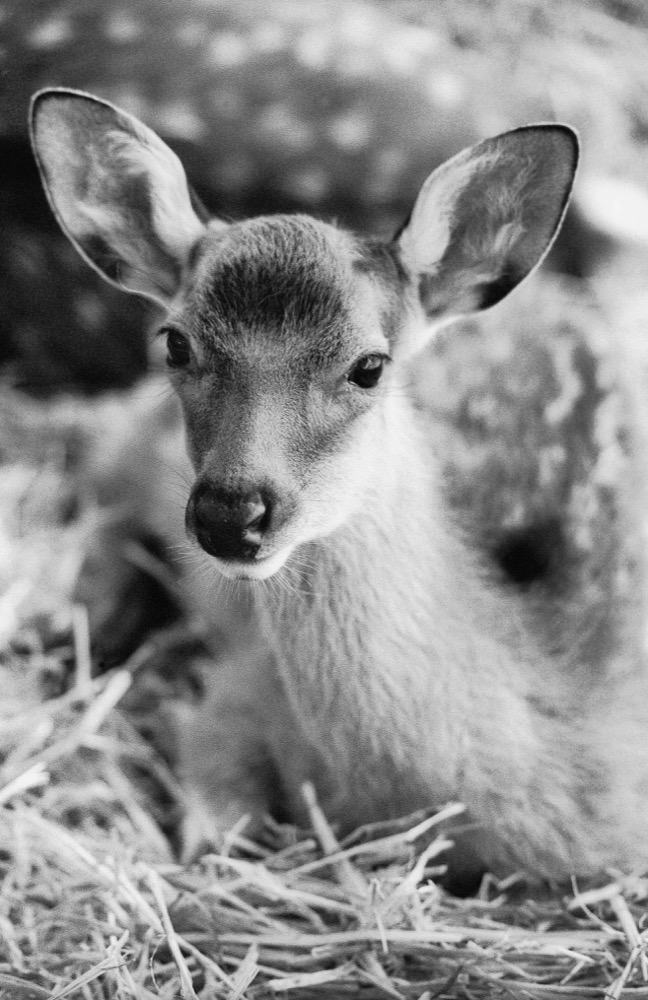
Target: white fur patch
261,570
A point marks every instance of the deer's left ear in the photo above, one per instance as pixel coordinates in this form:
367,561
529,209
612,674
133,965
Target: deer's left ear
117,190
487,217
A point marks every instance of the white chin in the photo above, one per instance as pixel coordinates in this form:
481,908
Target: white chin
261,569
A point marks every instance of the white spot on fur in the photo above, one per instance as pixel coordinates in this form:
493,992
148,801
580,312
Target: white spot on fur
229,50
358,26
121,27
617,206
50,34
351,132
269,36
179,119
131,99
446,89
421,41
313,49
90,309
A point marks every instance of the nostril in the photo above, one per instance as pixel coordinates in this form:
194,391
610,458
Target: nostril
209,508
253,511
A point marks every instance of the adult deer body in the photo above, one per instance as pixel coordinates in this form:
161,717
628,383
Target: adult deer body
366,649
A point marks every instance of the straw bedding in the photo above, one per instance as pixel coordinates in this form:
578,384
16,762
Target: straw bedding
93,902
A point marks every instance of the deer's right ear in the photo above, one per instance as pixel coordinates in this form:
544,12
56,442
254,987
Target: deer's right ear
119,193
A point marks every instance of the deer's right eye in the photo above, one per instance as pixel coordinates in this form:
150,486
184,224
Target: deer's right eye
178,349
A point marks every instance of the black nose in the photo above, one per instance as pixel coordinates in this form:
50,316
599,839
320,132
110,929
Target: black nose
229,524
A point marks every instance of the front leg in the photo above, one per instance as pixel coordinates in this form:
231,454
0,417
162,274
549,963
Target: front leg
221,748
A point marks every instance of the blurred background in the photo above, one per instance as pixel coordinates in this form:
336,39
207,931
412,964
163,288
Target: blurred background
337,108
342,108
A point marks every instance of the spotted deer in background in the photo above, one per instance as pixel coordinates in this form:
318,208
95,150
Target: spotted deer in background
365,647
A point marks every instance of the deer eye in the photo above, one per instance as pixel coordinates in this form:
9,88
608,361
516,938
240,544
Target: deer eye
367,371
178,349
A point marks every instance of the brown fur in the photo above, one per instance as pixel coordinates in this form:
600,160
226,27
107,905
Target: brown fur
366,650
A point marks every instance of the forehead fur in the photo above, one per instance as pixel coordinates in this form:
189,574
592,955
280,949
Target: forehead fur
279,275
277,271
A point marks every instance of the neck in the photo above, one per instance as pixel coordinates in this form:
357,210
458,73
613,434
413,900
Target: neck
386,635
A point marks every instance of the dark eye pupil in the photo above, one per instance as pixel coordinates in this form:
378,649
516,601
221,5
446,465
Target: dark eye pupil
367,371
178,351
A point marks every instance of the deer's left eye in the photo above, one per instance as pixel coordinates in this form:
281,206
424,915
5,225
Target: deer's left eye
178,349
367,371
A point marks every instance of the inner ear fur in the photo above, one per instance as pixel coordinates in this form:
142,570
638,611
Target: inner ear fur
118,191
487,217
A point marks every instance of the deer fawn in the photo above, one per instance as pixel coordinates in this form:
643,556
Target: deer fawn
366,648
